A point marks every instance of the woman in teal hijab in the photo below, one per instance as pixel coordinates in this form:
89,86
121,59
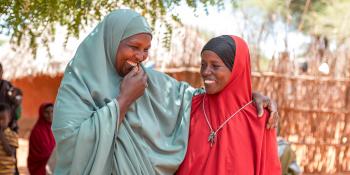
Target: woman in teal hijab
112,116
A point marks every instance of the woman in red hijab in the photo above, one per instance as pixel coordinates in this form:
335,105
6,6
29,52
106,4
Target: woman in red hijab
41,141
226,134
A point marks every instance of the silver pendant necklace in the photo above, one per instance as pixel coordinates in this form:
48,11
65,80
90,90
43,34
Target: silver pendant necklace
212,135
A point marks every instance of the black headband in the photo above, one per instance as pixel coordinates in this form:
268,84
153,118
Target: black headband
225,47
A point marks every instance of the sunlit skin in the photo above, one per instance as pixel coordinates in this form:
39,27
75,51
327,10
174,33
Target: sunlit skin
133,49
214,72
48,113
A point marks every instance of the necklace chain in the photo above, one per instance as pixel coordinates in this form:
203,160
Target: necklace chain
213,133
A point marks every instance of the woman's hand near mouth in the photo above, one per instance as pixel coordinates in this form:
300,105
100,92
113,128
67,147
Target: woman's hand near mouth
132,87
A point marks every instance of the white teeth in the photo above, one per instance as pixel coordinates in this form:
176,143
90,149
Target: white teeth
209,81
131,63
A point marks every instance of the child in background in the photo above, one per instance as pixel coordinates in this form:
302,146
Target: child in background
8,142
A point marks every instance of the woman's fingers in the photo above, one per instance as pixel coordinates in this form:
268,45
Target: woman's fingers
274,116
132,73
259,106
262,102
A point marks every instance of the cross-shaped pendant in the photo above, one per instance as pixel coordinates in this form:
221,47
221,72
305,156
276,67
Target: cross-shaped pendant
211,138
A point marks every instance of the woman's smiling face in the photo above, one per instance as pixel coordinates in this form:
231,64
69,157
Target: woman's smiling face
214,72
131,52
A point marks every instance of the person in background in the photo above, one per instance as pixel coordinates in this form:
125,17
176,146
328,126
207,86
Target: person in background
41,141
5,89
8,142
287,157
11,96
16,96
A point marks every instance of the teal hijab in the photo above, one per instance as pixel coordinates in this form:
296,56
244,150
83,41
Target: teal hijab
152,139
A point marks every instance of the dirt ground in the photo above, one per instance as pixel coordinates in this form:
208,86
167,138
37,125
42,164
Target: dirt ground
25,125
22,154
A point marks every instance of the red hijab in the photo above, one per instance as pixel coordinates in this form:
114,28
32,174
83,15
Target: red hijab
243,146
41,143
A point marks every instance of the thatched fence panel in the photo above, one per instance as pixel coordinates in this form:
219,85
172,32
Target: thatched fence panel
315,119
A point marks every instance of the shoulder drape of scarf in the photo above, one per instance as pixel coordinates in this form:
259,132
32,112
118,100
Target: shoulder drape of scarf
244,145
152,138
41,144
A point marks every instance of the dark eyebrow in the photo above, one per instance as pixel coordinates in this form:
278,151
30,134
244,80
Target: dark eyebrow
217,62
137,43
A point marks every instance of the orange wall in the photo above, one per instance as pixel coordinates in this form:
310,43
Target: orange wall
43,88
37,90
